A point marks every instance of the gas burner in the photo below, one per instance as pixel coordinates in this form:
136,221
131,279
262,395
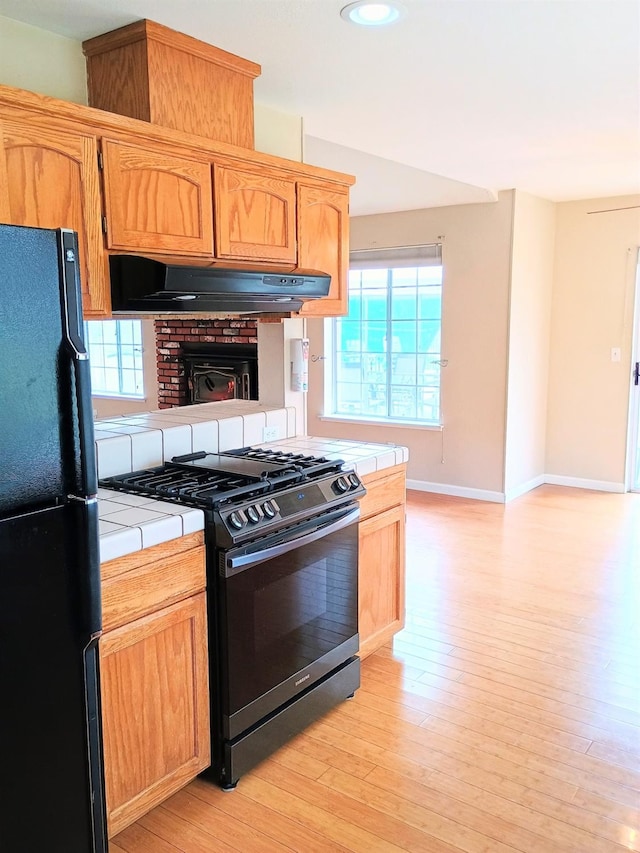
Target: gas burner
310,466
197,487
249,492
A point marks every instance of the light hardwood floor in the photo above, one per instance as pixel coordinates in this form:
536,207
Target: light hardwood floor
505,717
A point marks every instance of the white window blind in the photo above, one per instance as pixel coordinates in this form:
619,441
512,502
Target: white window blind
429,255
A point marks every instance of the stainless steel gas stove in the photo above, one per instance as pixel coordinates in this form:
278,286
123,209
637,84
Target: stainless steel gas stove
282,567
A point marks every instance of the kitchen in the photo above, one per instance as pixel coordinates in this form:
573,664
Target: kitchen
493,486
562,363
152,554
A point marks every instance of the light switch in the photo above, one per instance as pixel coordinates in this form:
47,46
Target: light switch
615,353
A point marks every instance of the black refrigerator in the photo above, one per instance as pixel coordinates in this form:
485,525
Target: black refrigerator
51,777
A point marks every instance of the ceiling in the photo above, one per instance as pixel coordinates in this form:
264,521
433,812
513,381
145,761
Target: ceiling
459,99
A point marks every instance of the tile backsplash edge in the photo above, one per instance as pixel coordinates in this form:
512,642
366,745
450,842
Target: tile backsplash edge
117,451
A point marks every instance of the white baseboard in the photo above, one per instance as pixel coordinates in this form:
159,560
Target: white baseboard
523,488
500,497
455,491
580,483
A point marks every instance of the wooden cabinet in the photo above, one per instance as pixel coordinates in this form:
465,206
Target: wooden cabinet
381,560
255,214
51,180
323,244
150,72
156,201
167,193
154,676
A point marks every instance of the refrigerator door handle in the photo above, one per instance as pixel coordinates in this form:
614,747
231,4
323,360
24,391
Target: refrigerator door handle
87,546
72,329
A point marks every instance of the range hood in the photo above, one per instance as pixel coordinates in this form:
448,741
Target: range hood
145,286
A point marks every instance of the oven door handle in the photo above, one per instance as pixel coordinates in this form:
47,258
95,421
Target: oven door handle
234,565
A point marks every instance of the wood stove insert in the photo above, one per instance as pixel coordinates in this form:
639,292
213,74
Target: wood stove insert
218,372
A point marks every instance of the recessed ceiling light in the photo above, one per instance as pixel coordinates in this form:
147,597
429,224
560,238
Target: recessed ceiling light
372,14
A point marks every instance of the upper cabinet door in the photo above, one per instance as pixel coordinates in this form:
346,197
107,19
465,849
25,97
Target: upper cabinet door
52,181
323,244
156,201
255,215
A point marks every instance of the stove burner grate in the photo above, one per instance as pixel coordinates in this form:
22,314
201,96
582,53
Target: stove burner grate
209,481
188,485
309,466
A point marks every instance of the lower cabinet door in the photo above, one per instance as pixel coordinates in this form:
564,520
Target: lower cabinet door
155,708
381,578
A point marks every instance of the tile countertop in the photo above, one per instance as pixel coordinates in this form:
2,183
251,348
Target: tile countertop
129,523
363,457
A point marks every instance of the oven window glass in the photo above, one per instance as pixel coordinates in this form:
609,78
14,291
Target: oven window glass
287,612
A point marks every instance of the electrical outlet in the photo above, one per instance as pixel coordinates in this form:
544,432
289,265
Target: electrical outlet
270,433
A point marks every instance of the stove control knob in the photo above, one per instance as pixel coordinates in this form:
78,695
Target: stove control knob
236,520
268,509
354,482
341,484
253,514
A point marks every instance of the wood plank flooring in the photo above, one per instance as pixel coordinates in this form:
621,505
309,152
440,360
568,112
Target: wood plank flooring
505,717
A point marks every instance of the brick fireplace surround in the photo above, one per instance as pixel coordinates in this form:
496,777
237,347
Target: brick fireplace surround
170,334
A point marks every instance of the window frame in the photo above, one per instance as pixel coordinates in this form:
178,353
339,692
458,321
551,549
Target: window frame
426,255
137,346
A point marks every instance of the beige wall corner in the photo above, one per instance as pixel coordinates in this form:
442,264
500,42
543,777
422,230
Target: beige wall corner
469,453
529,337
592,311
42,62
277,133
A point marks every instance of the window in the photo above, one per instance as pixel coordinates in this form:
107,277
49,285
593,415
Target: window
387,356
115,355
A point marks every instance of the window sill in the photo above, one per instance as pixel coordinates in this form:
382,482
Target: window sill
387,422
100,396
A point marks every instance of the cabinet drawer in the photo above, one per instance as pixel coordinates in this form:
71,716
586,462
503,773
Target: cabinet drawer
384,490
152,585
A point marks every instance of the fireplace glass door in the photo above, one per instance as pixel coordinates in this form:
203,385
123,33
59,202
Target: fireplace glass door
212,384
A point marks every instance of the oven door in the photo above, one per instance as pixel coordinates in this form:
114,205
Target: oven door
287,615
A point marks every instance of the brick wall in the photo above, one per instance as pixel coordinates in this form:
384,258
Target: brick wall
170,334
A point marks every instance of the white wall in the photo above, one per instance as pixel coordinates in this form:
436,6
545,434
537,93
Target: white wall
277,133
274,367
43,62
468,455
592,311
529,336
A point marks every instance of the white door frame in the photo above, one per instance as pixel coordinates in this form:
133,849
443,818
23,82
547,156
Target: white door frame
633,428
